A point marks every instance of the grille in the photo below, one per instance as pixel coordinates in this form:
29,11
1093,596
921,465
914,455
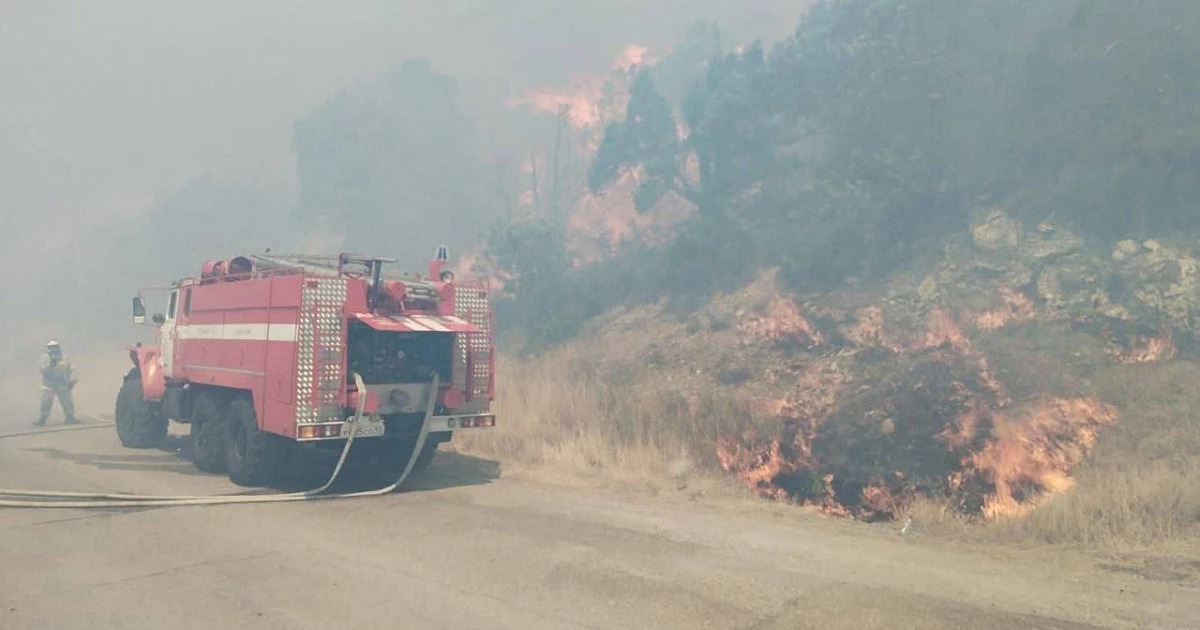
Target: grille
471,304
321,336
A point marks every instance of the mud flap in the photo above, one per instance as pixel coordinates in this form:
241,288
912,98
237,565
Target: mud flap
154,382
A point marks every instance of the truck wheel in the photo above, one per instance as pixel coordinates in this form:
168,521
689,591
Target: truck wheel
253,457
208,434
395,461
426,457
139,423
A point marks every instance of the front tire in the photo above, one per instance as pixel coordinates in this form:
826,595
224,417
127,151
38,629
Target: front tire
139,423
208,433
252,457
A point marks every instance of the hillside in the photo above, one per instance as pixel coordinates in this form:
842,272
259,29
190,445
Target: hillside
1002,381
928,258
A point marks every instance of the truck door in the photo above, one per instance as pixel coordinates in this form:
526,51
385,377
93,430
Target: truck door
167,334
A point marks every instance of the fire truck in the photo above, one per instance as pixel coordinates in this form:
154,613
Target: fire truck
262,355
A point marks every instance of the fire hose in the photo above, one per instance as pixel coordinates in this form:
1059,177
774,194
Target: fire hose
53,499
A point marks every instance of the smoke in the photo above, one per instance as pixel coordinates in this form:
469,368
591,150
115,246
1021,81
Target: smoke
113,113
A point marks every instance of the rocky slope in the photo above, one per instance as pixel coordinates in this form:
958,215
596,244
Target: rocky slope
967,379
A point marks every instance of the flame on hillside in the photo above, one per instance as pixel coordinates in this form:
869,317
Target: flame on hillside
782,321
472,264
1015,308
1143,350
993,462
1031,457
1021,462
599,222
868,330
942,331
589,102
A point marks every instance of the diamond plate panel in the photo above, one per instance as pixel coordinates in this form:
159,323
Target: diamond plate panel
320,365
471,304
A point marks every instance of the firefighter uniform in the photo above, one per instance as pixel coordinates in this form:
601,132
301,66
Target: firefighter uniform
58,379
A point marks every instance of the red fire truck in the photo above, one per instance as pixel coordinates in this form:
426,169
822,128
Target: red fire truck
262,355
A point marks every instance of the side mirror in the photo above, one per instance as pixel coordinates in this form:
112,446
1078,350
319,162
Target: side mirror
159,318
139,310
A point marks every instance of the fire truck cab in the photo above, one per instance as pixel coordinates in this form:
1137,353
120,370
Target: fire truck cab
262,354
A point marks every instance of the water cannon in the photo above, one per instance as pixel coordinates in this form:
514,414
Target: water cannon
437,267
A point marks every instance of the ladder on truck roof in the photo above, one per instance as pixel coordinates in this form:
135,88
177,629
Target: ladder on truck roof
321,264
336,266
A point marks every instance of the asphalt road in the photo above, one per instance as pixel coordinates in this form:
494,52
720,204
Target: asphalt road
464,547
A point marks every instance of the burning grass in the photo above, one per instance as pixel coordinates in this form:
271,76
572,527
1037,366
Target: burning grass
1001,426
1140,486
1058,470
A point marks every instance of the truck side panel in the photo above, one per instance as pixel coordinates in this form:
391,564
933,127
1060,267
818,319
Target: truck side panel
224,335
279,413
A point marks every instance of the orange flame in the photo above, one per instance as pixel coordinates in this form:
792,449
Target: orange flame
473,264
1000,464
1032,457
883,498
1145,350
758,468
783,321
598,223
868,330
1015,308
589,102
942,331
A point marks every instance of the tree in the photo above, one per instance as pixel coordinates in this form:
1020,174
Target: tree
394,163
1107,129
728,114
646,140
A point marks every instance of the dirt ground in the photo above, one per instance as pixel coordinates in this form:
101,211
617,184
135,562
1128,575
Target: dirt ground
466,546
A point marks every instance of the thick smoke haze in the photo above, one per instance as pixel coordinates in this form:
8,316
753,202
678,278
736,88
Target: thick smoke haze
109,110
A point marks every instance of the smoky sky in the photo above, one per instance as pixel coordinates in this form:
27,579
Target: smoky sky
106,101
107,106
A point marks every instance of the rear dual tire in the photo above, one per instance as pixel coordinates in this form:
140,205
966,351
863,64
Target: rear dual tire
226,438
253,457
398,459
208,433
383,459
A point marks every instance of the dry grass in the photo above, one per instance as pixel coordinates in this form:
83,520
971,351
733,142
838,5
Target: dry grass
1139,488
1142,483
574,419
565,416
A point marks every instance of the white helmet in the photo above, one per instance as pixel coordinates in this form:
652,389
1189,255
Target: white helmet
52,344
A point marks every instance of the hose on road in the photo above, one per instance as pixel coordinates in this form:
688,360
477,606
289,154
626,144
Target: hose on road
54,499
101,424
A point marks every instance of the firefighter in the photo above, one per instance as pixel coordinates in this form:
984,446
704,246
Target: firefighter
58,379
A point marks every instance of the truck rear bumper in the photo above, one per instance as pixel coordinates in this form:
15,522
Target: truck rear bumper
374,427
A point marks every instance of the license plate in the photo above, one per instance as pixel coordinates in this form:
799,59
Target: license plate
366,429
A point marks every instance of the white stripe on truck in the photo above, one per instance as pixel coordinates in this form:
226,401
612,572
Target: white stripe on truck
237,332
